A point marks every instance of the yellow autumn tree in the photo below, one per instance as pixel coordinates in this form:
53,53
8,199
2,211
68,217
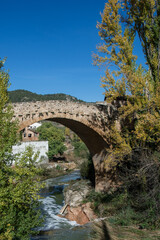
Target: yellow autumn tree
134,153
138,86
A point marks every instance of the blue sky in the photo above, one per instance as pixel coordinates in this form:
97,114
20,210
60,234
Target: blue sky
49,46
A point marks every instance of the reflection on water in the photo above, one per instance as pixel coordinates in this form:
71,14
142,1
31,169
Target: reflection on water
55,227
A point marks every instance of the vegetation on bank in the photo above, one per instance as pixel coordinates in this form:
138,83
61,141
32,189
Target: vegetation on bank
59,137
134,153
54,136
80,149
19,182
105,230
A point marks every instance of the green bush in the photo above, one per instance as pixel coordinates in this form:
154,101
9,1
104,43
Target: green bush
54,136
125,217
19,184
80,149
19,187
141,179
138,199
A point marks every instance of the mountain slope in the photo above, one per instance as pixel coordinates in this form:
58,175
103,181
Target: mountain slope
21,95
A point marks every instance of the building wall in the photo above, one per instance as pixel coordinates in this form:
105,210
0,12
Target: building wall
29,135
41,146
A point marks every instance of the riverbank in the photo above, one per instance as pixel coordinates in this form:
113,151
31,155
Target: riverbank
104,229
56,169
115,220
117,224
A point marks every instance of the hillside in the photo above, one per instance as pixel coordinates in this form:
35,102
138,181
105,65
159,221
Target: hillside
27,96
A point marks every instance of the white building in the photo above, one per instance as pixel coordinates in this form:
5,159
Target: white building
35,125
41,146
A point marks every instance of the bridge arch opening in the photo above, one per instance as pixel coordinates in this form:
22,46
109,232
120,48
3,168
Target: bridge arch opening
87,135
90,121
93,140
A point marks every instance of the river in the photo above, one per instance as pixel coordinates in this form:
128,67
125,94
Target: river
57,228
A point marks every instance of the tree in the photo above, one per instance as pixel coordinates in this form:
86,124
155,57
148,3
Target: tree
124,79
134,153
143,17
8,129
80,149
55,136
19,206
19,184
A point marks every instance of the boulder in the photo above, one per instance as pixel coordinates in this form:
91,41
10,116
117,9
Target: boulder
81,214
75,208
76,192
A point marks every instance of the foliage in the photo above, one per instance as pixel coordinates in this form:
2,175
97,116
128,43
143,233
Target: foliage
142,183
135,91
19,184
67,132
54,136
80,149
8,129
143,18
137,201
135,88
27,96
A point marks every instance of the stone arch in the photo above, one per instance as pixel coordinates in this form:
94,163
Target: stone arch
94,142
89,121
92,139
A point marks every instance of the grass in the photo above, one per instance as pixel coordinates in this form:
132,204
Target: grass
105,230
122,220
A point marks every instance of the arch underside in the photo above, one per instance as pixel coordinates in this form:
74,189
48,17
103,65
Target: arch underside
94,142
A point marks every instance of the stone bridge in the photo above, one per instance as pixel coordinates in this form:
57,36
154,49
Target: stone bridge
90,121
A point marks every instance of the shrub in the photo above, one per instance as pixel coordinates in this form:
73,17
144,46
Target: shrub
80,149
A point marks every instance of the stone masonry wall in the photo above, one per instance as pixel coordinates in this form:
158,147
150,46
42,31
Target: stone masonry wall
89,120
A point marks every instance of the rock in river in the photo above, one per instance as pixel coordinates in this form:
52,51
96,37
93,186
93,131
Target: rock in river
75,209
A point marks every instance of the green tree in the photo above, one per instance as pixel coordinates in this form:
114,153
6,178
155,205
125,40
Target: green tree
19,185
8,129
19,204
54,136
80,149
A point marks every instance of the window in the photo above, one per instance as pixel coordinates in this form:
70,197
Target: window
29,135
